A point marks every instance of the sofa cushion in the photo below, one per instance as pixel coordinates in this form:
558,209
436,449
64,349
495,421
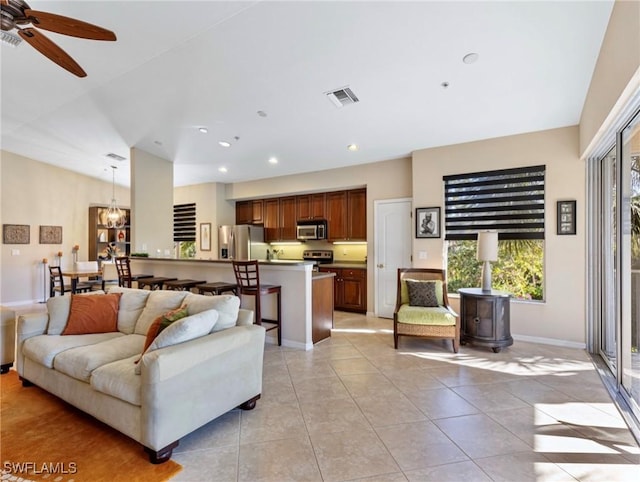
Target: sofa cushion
81,361
118,380
93,314
158,302
226,305
422,293
58,308
419,315
183,330
44,348
162,322
132,303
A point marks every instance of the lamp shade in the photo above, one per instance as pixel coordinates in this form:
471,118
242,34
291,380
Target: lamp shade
487,246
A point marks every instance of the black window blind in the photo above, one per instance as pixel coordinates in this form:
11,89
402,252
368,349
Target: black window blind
509,201
184,222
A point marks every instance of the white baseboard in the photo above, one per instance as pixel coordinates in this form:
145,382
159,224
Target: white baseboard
273,340
550,341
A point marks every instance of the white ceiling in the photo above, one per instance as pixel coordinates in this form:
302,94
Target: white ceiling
180,65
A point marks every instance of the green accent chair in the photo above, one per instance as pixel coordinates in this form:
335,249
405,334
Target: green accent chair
439,321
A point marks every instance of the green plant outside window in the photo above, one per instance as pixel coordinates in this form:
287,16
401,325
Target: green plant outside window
519,269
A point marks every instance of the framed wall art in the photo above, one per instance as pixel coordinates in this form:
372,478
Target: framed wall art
566,217
428,222
16,234
205,236
50,234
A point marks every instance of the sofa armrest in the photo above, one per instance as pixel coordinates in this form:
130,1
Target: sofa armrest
32,324
245,317
27,326
187,385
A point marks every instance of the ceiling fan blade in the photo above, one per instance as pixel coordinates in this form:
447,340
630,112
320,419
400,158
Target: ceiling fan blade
49,49
68,26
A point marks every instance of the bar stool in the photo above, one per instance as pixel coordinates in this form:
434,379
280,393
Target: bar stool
217,288
248,280
182,284
125,277
155,283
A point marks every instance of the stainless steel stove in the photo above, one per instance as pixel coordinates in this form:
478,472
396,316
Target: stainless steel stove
318,256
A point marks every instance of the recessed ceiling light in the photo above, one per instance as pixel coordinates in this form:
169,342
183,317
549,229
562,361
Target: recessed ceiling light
470,58
222,169
224,143
353,147
261,113
204,130
273,160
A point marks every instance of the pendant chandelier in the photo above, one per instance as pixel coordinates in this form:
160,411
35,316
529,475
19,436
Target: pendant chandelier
115,216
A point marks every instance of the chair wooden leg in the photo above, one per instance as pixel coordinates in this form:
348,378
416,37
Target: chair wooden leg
279,321
395,341
258,312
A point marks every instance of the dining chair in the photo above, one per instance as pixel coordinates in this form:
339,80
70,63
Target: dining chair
247,276
109,275
94,281
56,283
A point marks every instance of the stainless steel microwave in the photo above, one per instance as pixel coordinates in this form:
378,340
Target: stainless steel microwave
309,230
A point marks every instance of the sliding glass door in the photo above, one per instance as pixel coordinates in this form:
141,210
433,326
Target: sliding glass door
614,248
630,261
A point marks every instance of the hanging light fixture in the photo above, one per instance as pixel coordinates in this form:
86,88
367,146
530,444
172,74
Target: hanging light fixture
115,216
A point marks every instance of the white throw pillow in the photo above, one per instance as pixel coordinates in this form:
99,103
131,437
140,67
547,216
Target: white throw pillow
226,305
185,329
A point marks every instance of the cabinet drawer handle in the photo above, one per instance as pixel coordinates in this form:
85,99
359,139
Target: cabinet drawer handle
477,320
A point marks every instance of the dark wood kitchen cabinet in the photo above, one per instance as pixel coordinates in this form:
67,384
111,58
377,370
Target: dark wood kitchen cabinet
311,206
288,219
350,288
485,318
271,220
249,212
347,215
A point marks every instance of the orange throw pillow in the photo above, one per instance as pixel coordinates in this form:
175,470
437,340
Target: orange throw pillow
93,314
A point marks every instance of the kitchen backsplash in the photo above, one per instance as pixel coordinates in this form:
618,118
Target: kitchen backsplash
341,252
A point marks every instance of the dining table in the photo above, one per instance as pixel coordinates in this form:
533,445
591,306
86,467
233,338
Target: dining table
75,275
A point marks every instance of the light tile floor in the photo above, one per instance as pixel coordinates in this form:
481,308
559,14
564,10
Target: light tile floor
356,409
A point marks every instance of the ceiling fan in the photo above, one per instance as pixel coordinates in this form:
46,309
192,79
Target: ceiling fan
16,13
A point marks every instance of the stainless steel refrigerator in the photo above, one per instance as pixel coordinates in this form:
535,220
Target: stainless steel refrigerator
241,242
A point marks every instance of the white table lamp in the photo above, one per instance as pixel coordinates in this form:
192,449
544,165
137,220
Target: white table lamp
487,252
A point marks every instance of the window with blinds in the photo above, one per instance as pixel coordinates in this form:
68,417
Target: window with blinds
184,222
509,201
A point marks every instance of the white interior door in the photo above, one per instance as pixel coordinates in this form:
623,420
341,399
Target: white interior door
393,250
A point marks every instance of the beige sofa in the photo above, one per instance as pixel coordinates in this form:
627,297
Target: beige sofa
180,387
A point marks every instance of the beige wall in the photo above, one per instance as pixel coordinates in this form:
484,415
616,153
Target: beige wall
211,207
38,194
616,76
151,204
561,316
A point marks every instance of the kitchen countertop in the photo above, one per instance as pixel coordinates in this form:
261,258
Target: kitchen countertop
318,275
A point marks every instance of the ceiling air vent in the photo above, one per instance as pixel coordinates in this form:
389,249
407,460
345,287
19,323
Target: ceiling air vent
116,157
342,97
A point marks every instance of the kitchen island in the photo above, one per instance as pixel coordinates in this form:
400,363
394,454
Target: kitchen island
295,278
